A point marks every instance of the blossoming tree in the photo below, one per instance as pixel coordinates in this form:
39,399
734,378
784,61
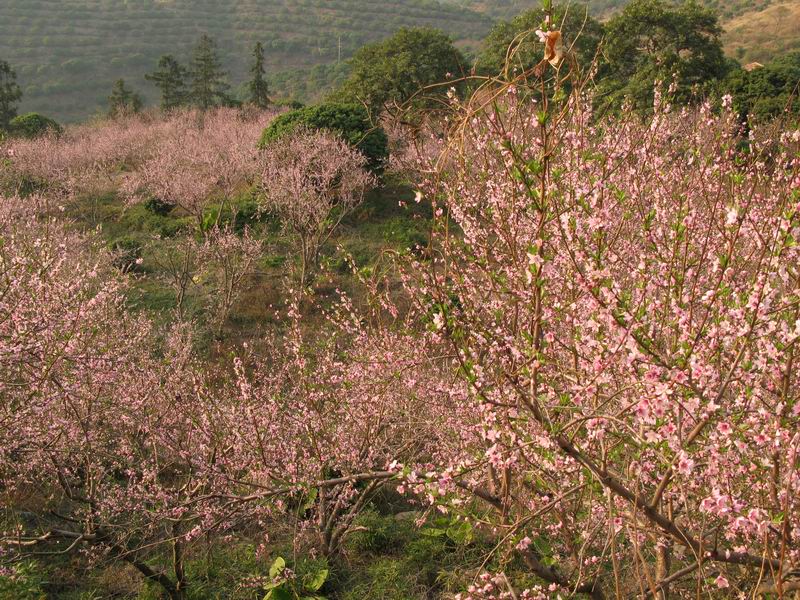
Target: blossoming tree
622,299
312,180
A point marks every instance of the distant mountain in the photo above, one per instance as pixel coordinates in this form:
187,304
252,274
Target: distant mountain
68,53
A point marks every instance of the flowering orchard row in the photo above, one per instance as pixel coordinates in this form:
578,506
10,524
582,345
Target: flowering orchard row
592,366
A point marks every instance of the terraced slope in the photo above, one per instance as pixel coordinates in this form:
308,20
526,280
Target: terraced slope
68,52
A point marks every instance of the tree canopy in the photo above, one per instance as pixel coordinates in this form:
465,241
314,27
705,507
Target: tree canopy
350,121
32,125
209,81
650,41
402,67
170,78
769,91
582,32
10,94
123,100
258,86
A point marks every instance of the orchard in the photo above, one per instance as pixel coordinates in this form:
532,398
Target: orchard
589,371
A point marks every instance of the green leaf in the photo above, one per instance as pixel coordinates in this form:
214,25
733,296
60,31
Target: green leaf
277,567
273,585
460,532
279,593
317,580
534,166
310,499
434,532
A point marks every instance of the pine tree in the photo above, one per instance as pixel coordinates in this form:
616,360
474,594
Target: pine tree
10,94
123,101
170,78
209,80
258,86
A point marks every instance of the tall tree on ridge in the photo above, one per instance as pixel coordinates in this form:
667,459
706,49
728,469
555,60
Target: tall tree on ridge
258,86
209,81
170,78
10,94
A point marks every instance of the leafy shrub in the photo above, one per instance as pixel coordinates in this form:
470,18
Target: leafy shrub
144,222
769,91
157,206
33,125
302,583
24,583
240,212
128,251
379,534
350,121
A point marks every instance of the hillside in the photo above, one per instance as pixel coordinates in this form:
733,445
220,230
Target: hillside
755,30
505,9
728,9
68,53
765,33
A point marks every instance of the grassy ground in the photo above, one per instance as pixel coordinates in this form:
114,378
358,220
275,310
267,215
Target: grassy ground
139,231
390,557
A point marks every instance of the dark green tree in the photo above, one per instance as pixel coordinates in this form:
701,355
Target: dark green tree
769,91
123,101
10,94
652,40
517,40
209,86
402,67
350,121
33,125
170,78
258,86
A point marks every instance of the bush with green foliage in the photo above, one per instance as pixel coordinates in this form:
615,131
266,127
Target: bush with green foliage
23,582
769,91
159,207
33,125
128,253
301,583
349,121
